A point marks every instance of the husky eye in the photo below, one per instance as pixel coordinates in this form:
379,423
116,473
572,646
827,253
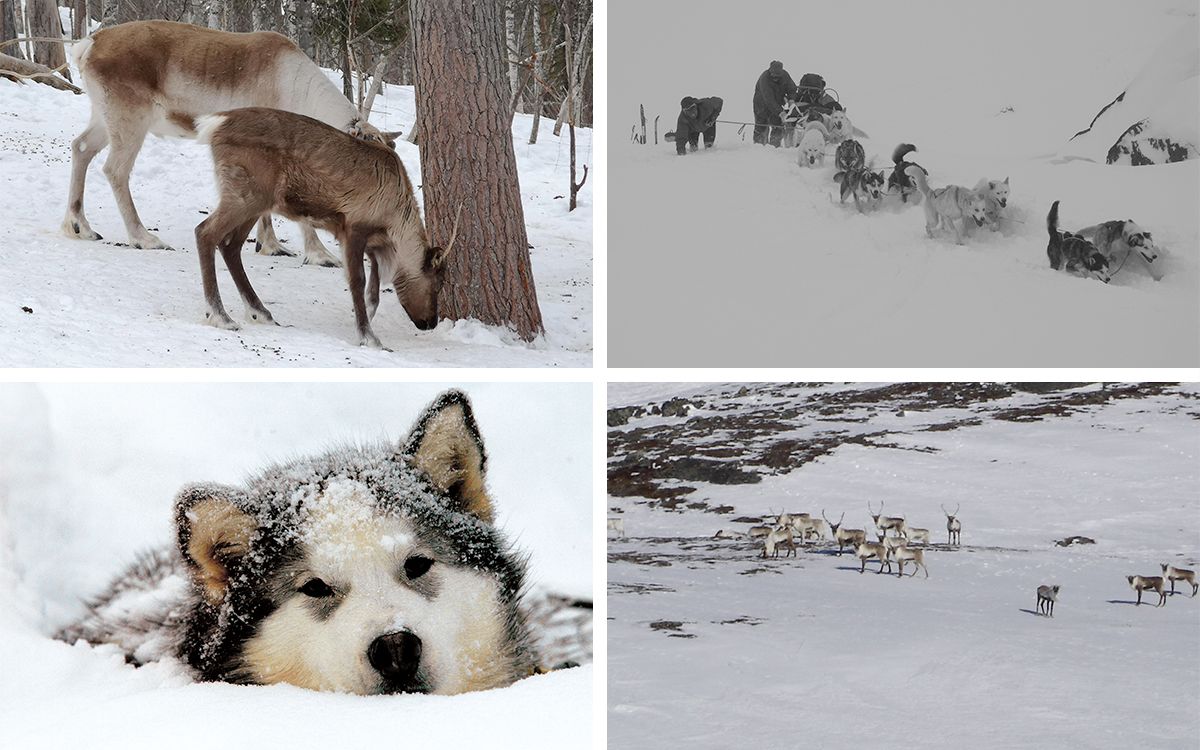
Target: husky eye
317,589
417,566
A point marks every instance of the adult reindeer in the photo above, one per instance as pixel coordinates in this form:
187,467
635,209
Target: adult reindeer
887,523
159,76
953,526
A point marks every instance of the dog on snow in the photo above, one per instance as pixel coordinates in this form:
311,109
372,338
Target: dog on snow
812,145
1074,252
1120,241
952,205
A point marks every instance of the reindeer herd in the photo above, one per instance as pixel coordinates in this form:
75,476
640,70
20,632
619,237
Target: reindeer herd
898,548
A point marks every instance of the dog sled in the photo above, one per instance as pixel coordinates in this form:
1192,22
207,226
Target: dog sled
813,102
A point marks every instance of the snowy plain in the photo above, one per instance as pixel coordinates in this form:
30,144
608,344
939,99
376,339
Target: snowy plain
740,256
87,476
79,304
711,646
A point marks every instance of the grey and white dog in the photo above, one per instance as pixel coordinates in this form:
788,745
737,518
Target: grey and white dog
364,570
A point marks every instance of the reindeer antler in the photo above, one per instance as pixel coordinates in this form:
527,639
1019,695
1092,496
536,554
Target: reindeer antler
454,231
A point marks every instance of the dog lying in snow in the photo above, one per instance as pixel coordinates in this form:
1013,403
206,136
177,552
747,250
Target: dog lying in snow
1073,252
952,205
812,145
1121,241
363,570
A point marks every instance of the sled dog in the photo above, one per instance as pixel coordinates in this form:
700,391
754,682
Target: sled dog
849,156
839,126
1122,240
812,145
855,177
364,570
995,193
952,205
898,180
1073,252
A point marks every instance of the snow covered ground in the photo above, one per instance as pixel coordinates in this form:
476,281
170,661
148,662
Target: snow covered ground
74,303
87,476
711,647
739,256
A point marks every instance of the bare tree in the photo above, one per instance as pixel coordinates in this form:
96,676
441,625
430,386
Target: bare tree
9,29
44,23
467,158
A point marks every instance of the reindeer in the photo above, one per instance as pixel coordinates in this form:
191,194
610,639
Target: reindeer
1153,583
892,542
887,523
918,535
270,160
866,550
802,526
758,532
617,525
903,554
844,537
953,526
1174,574
159,76
817,528
1046,597
775,537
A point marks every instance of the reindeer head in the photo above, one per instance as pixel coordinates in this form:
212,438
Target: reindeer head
418,289
874,514
833,527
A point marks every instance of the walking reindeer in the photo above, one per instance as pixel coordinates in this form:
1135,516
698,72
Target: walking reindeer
844,537
887,523
1173,574
953,525
1046,597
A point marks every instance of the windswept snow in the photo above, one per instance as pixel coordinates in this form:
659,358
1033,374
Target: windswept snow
74,303
87,475
710,646
738,256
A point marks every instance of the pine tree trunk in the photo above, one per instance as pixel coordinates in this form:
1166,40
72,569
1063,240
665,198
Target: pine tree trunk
467,158
240,15
539,74
44,22
9,29
79,19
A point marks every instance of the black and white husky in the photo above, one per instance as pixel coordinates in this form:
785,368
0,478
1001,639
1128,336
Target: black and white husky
1120,241
1073,252
363,570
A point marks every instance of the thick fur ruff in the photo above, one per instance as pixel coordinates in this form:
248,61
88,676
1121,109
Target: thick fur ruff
1073,252
898,180
954,206
363,570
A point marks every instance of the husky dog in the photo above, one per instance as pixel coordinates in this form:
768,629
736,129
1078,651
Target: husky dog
849,156
1173,574
1074,252
1046,597
364,570
812,145
899,181
1118,240
839,126
995,192
952,205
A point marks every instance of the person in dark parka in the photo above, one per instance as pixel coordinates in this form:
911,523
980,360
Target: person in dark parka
773,86
697,116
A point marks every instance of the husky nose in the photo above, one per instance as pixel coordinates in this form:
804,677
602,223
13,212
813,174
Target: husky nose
396,656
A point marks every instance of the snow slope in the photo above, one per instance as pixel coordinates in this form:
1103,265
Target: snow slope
738,256
87,475
710,646
98,304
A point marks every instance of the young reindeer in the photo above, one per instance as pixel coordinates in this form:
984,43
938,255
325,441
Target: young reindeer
887,523
159,77
866,550
1151,583
918,535
845,537
270,160
1173,574
1046,597
953,526
780,535
903,554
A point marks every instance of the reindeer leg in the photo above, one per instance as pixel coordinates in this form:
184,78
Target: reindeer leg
355,251
265,240
231,251
373,289
208,234
83,149
315,252
126,141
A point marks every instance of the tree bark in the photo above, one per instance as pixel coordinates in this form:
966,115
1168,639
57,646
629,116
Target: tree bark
513,49
240,15
79,19
467,158
44,22
539,73
9,29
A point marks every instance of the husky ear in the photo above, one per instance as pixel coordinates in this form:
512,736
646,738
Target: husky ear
445,444
213,533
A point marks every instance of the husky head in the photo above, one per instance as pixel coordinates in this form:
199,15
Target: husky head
1140,240
363,571
997,190
812,146
874,184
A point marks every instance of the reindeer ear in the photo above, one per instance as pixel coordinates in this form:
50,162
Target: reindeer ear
445,445
213,534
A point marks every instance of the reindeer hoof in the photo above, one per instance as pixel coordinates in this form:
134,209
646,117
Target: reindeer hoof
220,321
272,250
327,261
261,316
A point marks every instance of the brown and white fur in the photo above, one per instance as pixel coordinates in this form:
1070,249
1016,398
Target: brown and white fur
903,554
776,537
866,550
1173,574
1120,241
845,537
812,145
1151,583
887,523
158,77
918,535
1046,597
952,206
271,160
